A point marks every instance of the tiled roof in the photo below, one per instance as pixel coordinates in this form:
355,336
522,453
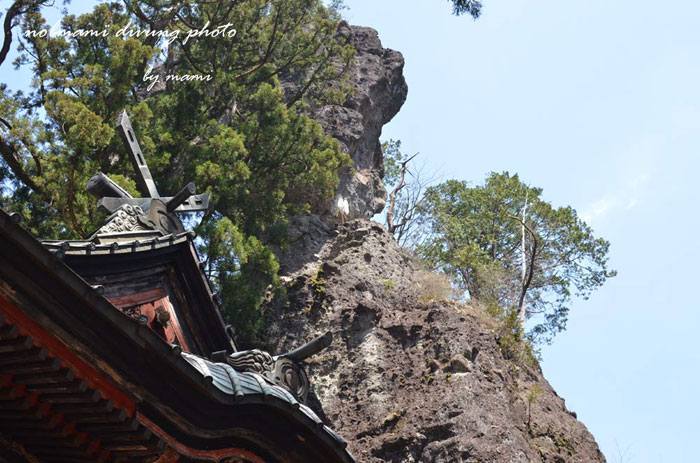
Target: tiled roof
243,387
88,247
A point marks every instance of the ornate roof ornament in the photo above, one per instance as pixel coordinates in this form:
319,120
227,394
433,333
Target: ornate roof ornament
150,213
127,218
285,370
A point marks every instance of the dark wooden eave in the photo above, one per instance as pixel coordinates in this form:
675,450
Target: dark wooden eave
187,401
50,413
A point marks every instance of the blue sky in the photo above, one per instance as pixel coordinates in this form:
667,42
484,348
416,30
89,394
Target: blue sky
597,102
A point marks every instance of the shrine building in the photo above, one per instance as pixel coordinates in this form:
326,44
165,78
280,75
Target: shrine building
113,348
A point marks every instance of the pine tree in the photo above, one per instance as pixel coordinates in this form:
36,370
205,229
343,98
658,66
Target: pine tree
237,135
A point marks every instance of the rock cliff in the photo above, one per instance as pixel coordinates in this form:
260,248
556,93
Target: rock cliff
410,375
376,75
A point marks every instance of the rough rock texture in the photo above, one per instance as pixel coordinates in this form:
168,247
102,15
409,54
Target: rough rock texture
380,91
411,377
307,234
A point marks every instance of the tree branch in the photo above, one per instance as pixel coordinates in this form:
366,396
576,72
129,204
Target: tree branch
9,154
392,198
268,52
12,12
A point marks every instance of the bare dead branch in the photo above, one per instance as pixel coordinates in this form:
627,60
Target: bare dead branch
392,198
531,266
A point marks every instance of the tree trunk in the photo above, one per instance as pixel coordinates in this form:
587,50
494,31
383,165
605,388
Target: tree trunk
523,270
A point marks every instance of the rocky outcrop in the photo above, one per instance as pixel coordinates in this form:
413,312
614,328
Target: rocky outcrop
410,375
379,92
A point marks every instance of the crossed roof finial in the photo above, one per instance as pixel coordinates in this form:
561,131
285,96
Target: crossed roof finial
112,197
144,180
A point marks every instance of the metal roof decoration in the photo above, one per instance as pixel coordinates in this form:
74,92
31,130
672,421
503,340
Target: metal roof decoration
113,348
149,213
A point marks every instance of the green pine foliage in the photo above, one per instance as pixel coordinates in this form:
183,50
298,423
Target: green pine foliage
470,7
239,136
474,233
